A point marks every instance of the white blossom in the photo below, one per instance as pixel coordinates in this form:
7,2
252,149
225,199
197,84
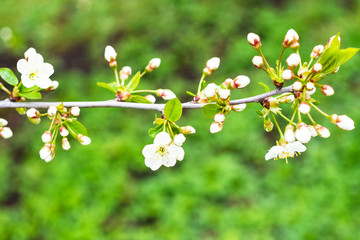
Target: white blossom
297,86
165,94
47,153
312,130
3,122
153,64
317,51
291,37
322,131
219,117
31,51
54,85
317,67
287,74
187,130
253,39
224,94
327,90
216,127
302,133
33,113
84,140
304,108
63,131
289,150
289,134
150,98
65,144
213,63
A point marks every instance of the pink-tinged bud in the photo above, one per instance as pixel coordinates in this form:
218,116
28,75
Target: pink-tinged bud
322,131
74,111
216,127
229,83
65,144
327,90
316,68
310,86
150,98
289,134
238,107
304,108
287,99
210,90
219,117
312,130
200,98
287,74
52,111
293,61
125,72
31,51
54,85
345,123
5,132
63,131
33,113
122,96
187,130
45,151
258,61
241,81
317,51
224,94
211,65
3,122
302,133
84,140
254,40
165,94
46,137
179,139
153,64
110,56
290,37
297,86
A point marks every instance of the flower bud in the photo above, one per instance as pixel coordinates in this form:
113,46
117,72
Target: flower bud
63,131
238,107
52,111
322,131
3,122
317,51
65,144
216,127
254,40
219,117
297,86
45,151
5,132
258,61
125,72
293,61
312,130
122,96
213,64
150,98
165,94
179,139
345,123
327,90
290,37
153,64
187,130
210,90
316,68
46,137
224,94
74,111
302,133
110,56
84,140
289,134
310,86
200,98
287,74
33,113
54,85
268,125
241,81
295,45
304,108
287,99
228,83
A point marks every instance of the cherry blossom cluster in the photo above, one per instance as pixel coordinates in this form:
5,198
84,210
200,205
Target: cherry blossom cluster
305,77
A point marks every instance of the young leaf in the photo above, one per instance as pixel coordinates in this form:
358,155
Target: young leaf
154,131
190,93
134,82
203,85
108,86
173,110
23,89
209,110
138,99
76,128
267,89
8,76
30,95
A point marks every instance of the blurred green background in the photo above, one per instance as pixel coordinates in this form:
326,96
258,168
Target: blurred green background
223,189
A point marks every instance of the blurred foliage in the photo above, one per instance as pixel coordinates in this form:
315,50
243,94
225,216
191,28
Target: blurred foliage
223,189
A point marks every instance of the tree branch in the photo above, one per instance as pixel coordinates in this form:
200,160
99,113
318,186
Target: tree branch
112,103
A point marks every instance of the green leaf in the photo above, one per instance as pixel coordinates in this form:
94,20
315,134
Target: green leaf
30,95
8,76
209,110
109,86
138,99
23,89
203,85
190,93
267,89
173,110
154,131
76,128
134,82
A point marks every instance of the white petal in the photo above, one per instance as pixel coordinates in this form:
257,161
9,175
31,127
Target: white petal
36,59
22,66
273,152
176,151
44,83
169,161
48,69
296,147
149,150
153,163
162,139
27,82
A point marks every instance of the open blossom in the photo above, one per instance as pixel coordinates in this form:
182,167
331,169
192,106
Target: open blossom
34,72
289,150
162,152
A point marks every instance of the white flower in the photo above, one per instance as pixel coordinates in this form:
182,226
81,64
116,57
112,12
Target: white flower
241,81
224,94
179,139
187,130
153,64
3,122
253,39
35,72
238,107
52,111
213,63
150,98
219,117
302,133
5,132
287,74
65,144
291,37
165,94
84,140
344,122
216,127
46,137
33,113
63,131
258,61
317,51
162,152
304,108
289,150
74,111
110,54
210,90
327,90
293,60
289,134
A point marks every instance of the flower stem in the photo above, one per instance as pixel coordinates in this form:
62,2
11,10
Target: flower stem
266,63
144,91
319,110
277,126
2,87
311,119
279,64
200,83
117,78
284,117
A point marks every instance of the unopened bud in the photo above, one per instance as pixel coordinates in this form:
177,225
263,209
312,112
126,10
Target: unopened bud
5,132
65,144
327,90
210,90
46,137
219,117
336,70
268,125
74,111
125,72
3,122
179,139
293,61
238,107
216,127
304,108
63,131
287,74
302,133
45,152
224,94
153,64
316,68
258,61
52,111
290,37
165,94
312,130
287,99
33,113
345,123
150,98
122,96
322,131
297,86
241,81
228,83
187,130
333,118
317,51
289,134
332,38
84,140
254,40
110,56
54,85
310,86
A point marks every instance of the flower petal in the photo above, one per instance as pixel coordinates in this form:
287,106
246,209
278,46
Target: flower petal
295,147
149,150
273,152
27,82
176,151
162,138
36,59
169,160
43,83
22,66
48,69
154,163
